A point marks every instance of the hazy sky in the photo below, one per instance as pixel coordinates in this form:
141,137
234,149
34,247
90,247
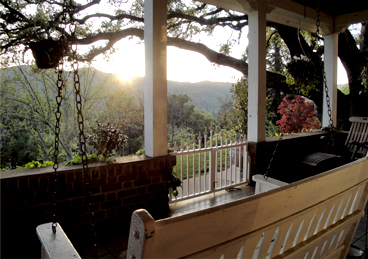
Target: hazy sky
182,65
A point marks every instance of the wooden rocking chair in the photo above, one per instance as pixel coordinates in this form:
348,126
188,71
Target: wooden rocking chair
356,145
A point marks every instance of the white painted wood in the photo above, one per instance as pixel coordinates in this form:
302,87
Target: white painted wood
219,174
55,246
331,47
283,219
264,185
257,74
155,88
142,229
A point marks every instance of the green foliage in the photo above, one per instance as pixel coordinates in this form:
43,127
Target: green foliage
140,152
345,89
174,183
364,77
304,75
239,93
18,146
271,129
277,51
92,158
38,164
106,138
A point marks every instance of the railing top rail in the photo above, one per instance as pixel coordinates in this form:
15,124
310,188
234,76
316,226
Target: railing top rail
197,150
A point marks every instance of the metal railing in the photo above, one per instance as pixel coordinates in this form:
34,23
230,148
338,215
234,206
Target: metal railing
210,163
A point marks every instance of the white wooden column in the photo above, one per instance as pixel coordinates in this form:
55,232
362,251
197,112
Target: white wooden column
331,44
155,89
257,74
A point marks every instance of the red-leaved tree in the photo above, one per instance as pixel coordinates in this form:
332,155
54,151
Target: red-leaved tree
297,115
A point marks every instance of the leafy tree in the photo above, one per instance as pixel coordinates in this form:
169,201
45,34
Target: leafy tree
178,113
227,116
17,146
187,21
297,115
106,138
122,108
28,95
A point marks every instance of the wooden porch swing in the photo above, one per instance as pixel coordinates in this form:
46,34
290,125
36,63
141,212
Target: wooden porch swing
312,218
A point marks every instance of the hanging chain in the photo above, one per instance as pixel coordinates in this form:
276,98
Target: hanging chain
59,98
82,138
328,100
265,176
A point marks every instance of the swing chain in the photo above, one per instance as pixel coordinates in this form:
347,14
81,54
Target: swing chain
60,87
82,137
328,100
265,176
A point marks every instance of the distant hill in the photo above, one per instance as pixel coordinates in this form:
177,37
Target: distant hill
205,95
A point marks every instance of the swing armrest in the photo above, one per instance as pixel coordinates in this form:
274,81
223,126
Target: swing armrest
363,145
359,144
55,245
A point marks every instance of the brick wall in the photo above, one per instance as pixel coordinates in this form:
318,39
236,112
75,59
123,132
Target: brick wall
117,190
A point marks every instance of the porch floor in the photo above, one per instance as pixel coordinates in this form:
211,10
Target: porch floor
114,246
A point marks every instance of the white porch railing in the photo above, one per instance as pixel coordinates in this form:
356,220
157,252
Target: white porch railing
209,163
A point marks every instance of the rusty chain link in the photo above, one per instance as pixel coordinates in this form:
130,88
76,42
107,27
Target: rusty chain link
59,98
328,99
82,138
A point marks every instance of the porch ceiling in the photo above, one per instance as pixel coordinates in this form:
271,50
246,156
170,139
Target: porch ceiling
336,15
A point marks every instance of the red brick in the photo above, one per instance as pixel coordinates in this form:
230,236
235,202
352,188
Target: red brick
103,172
111,187
126,178
111,204
127,185
13,185
70,177
111,196
126,169
98,198
39,209
126,209
44,182
95,190
112,170
79,176
111,212
156,179
140,198
23,184
112,180
127,201
156,173
141,190
95,174
155,187
142,182
127,193
98,182
33,183
61,178
75,193
77,202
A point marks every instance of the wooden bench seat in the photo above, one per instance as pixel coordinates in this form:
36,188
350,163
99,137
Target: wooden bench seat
313,218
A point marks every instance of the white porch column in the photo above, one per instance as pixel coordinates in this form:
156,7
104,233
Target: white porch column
330,59
257,74
155,88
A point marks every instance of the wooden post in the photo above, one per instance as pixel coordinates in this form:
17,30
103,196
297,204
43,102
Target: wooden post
155,89
331,44
257,74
